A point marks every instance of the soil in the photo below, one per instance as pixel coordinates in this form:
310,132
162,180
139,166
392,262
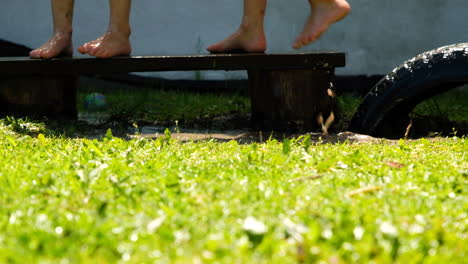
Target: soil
236,127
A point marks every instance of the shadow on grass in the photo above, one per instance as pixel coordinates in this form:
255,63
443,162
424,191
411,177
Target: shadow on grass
84,130
147,112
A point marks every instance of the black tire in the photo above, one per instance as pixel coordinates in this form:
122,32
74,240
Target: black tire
384,111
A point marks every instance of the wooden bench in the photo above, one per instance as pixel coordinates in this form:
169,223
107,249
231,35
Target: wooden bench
284,88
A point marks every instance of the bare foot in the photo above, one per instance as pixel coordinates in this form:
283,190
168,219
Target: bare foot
109,45
323,14
60,44
243,40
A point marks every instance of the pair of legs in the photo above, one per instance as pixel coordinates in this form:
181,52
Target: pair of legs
250,36
114,42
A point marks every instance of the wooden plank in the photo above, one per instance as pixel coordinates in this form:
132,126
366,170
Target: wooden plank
38,97
290,100
86,65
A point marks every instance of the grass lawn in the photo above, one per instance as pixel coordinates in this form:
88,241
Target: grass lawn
68,199
74,200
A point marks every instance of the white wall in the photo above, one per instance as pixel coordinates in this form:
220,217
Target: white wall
377,36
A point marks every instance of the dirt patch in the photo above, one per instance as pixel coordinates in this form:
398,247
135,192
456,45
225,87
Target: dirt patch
246,137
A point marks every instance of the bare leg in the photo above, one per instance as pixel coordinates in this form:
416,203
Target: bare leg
115,42
250,36
323,14
61,41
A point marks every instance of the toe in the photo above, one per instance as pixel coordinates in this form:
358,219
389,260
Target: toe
82,49
298,44
213,48
85,48
100,53
33,54
47,54
41,54
93,50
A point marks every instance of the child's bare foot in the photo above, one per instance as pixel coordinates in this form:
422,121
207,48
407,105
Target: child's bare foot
243,40
323,14
59,44
110,44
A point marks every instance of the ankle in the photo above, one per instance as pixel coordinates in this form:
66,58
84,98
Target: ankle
250,25
121,30
60,32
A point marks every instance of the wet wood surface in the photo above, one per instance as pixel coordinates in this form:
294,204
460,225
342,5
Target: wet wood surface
86,65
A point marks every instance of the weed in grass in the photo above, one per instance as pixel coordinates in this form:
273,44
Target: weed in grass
24,126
